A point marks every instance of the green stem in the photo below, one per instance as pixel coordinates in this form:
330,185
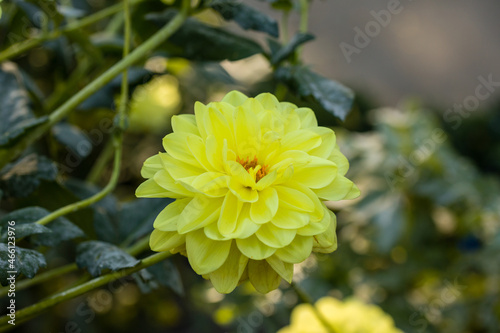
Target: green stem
117,138
100,163
304,21
134,250
305,298
137,54
24,46
55,299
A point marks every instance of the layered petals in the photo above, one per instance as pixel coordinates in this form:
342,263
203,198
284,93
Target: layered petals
249,176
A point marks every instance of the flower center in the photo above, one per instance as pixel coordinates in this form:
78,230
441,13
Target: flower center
253,167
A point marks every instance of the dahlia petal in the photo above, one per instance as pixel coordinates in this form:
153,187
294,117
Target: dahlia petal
328,141
151,166
204,254
185,123
200,111
200,212
318,212
294,199
168,217
316,228
234,98
176,145
179,169
244,193
214,153
262,276
318,173
307,118
340,160
275,237
197,147
253,248
267,180
163,179
228,218
297,251
245,227
212,184
268,101
227,277
217,125
247,129
150,189
264,209
286,218
284,269
165,240
300,140
326,242
212,232
340,188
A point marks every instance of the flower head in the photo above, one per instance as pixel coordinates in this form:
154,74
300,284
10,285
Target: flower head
350,316
249,176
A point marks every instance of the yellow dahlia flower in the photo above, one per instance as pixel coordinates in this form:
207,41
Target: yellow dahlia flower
248,176
350,316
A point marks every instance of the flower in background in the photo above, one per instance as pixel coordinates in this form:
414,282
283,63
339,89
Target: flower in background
350,316
249,176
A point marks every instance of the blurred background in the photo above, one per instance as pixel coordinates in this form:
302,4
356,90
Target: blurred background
423,141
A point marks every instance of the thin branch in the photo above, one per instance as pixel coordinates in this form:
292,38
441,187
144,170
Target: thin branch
55,299
137,54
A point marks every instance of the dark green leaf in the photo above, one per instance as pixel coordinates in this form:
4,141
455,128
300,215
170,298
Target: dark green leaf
73,138
15,111
136,217
247,17
168,275
27,262
22,177
97,256
25,230
284,52
331,95
198,41
389,223
61,229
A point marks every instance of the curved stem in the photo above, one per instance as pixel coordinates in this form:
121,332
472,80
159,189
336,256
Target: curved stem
304,21
137,54
55,299
134,250
305,298
24,46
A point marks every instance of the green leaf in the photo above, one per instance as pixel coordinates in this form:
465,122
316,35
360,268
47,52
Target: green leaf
26,262
285,51
168,275
198,41
98,256
331,95
25,230
15,111
136,217
21,178
247,17
59,230
73,138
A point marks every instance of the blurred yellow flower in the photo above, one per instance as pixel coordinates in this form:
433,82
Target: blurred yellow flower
350,316
249,175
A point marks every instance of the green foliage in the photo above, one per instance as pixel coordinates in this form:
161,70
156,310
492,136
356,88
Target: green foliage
98,256
246,17
27,262
16,114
